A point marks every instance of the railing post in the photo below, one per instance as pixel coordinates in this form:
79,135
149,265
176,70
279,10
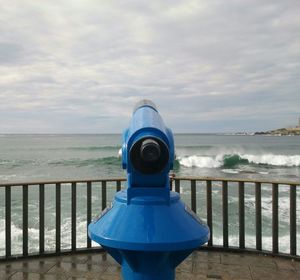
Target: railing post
275,218
88,210
193,196
25,220
209,211
73,218
225,212
7,221
118,185
177,185
103,187
258,215
242,215
293,225
41,218
58,216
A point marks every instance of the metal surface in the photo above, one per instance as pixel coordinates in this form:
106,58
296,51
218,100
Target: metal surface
209,210
41,218
177,186
242,215
258,215
73,216
275,218
25,220
88,210
293,221
58,216
225,212
103,194
193,196
8,221
118,186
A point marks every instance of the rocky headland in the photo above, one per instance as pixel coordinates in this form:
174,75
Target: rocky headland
281,132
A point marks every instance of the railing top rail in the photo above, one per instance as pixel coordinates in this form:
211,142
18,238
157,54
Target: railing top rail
187,178
70,181
246,180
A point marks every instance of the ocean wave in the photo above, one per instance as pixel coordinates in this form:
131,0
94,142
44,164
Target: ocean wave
115,161
232,160
15,163
231,171
198,147
94,148
200,161
276,160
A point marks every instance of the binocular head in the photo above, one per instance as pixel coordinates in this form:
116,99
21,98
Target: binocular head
148,148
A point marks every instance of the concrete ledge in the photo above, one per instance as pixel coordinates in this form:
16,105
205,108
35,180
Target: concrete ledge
200,265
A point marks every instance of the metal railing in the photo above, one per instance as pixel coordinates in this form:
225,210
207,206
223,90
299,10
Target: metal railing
193,185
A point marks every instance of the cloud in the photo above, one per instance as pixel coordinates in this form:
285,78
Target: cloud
79,66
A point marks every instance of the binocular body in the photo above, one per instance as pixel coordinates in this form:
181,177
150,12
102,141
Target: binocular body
148,229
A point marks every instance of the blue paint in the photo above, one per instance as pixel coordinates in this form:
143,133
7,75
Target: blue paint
148,229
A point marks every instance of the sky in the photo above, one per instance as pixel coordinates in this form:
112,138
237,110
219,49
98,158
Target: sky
210,66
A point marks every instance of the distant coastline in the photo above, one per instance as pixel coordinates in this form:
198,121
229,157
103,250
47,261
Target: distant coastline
293,131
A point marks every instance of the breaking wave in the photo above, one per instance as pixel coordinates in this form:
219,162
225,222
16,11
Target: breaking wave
232,160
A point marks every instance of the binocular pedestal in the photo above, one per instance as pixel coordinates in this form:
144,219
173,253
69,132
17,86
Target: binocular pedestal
148,235
149,265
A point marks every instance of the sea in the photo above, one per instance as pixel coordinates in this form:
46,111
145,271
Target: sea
26,158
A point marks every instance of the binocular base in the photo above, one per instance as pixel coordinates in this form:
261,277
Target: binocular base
139,265
164,273
148,237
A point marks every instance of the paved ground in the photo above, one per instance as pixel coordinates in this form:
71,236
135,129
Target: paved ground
200,265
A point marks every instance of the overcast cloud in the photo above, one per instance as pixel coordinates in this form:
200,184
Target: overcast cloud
210,66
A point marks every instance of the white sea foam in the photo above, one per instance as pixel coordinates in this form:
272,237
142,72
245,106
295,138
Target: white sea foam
276,160
219,160
2,236
201,161
231,171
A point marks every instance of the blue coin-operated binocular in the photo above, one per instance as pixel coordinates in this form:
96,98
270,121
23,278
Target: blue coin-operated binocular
148,229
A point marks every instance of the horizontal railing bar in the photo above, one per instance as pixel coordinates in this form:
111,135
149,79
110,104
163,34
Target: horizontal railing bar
46,254
53,182
232,180
218,248
189,178
234,249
